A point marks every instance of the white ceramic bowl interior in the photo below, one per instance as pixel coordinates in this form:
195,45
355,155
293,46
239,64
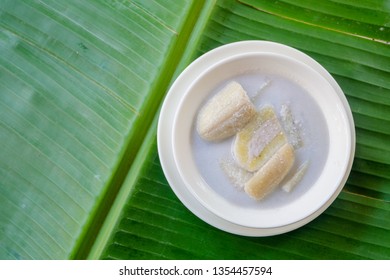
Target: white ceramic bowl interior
280,210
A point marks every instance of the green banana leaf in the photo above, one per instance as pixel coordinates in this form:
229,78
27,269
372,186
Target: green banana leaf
81,84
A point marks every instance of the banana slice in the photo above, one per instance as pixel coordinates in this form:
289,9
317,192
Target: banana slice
225,113
268,177
258,140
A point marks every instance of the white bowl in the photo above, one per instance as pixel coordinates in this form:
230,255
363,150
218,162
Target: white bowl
192,168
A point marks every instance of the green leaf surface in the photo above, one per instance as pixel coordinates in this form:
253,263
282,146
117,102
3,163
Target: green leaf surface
80,87
80,83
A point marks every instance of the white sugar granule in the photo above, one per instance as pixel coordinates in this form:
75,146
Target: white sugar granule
292,127
263,136
258,92
237,175
290,184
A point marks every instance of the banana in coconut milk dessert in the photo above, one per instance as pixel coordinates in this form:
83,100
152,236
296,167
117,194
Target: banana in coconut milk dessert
258,140
269,176
260,148
225,113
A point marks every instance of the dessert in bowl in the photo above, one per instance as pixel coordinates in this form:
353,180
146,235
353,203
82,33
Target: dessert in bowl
293,102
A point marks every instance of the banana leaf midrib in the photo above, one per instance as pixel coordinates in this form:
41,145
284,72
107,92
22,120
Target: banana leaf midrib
150,111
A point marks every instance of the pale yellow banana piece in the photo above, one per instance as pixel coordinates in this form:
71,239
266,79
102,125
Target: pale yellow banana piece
268,177
258,140
225,113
